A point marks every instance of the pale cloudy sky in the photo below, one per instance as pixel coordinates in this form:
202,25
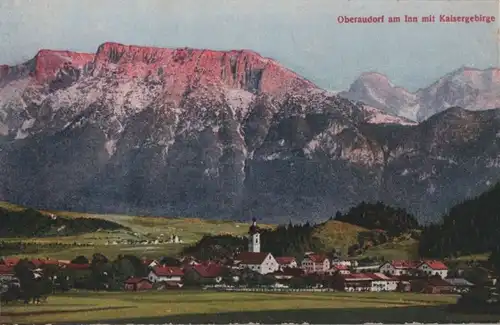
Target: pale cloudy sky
303,35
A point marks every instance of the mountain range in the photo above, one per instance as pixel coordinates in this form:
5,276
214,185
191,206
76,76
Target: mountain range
469,88
230,134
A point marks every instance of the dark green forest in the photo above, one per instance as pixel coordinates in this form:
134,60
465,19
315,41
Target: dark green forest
290,240
394,221
32,223
471,227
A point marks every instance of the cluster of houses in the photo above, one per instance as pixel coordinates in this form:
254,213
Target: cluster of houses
313,271
174,239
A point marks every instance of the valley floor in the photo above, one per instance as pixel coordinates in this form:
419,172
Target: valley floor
230,307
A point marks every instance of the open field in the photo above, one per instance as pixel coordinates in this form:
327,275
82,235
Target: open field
399,250
333,234
337,234
226,307
189,230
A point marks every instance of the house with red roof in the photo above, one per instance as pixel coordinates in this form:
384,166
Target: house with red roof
37,262
6,272
9,261
340,269
166,274
137,284
433,267
286,261
433,284
427,267
315,263
288,273
375,282
210,273
398,267
260,262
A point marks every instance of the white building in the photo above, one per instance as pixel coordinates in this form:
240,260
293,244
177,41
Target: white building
375,282
260,262
254,259
434,268
315,263
166,274
343,262
340,269
382,282
254,237
286,262
6,272
397,268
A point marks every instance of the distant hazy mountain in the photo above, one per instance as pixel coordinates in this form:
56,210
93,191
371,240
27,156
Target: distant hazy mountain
469,88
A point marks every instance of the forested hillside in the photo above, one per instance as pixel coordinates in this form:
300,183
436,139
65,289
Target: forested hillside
33,223
380,216
352,234
470,227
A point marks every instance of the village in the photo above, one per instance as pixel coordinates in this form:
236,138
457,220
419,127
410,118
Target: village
254,270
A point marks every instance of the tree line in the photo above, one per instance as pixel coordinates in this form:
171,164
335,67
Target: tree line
36,224
394,221
471,227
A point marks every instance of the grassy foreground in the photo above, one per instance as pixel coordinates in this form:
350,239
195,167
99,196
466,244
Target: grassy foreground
225,307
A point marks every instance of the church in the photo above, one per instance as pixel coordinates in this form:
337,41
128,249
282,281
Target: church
254,259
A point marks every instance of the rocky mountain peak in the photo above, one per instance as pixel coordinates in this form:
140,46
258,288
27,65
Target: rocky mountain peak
49,62
376,90
467,87
188,68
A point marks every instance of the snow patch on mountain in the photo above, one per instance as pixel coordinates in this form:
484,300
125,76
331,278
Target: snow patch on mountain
377,116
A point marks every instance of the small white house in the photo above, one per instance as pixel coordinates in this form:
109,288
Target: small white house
375,282
260,262
286,262
315,263
339,269
343,263
434,268
397,268
6,272
383,283
165,274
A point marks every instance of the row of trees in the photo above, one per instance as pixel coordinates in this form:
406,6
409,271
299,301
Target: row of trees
102,274
394,221
37,224
290,240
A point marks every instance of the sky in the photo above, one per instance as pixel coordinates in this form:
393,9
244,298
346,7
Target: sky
303,35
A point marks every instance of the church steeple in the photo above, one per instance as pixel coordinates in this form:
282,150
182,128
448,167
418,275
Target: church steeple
254,237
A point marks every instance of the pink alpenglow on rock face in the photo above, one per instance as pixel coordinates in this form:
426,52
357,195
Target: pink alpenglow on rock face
186,67
180,69
49,62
